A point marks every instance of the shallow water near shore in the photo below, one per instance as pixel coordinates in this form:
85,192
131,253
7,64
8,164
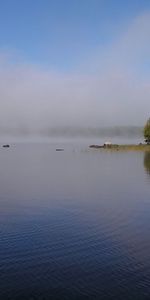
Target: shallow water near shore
74,224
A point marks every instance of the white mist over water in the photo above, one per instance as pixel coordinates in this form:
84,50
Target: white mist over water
111,87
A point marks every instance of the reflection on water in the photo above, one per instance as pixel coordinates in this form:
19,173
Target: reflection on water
73,224
147,162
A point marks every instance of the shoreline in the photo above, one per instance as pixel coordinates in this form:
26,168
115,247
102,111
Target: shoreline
125,147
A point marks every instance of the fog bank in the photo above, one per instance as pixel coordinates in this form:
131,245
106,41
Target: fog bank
111,87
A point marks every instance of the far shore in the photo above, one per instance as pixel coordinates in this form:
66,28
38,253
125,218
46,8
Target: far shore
126,147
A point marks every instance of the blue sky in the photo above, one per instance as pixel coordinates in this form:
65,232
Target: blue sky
60,33
74,63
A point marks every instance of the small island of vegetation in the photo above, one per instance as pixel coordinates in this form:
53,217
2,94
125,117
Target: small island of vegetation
131,147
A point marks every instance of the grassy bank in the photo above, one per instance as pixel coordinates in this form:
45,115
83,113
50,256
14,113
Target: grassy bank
132,147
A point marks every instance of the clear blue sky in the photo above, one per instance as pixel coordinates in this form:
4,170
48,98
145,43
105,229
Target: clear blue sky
59,33
71,62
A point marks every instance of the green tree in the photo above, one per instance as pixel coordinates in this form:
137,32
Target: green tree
147,132
147,162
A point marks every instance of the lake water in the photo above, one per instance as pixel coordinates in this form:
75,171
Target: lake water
74,224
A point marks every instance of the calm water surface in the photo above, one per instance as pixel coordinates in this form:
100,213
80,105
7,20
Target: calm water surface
74,224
